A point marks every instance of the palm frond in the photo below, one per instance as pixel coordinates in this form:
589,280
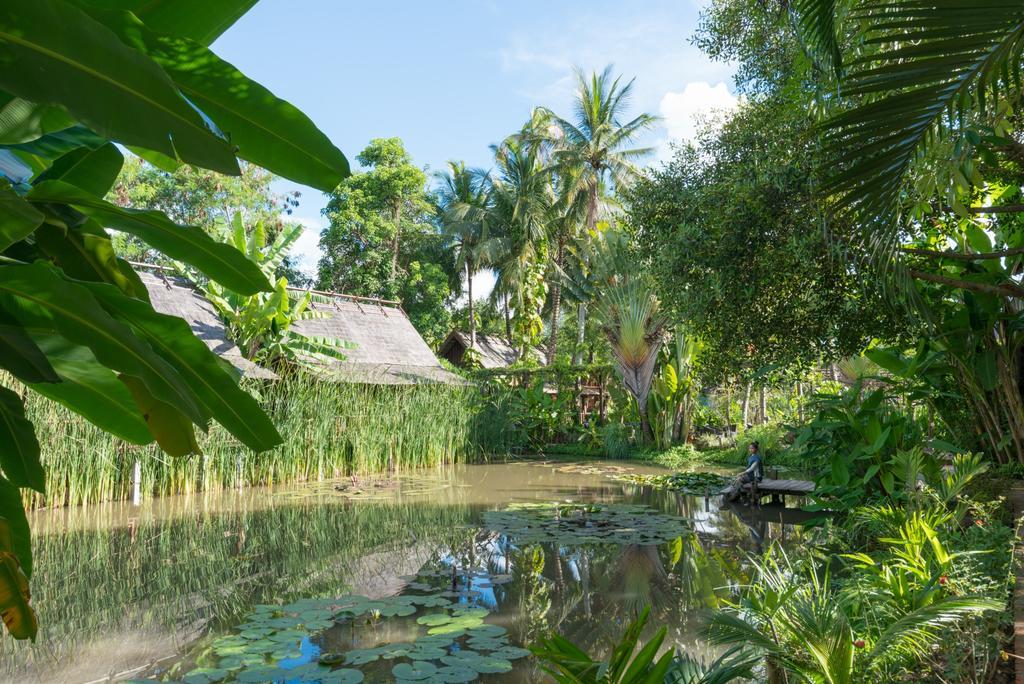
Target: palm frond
912,633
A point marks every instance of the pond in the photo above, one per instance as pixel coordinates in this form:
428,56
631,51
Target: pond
435,577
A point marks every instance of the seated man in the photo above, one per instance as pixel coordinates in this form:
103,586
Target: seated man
753,473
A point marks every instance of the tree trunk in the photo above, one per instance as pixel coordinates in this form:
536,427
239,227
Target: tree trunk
581,327
800,401
472,316
728,404
764,406
746,407
508,320
397,215
556,301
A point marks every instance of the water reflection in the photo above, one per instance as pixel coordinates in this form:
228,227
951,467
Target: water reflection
124,590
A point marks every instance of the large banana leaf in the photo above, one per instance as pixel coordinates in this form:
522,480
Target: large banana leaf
17,614
265,129
172,430
39,296
18,218
201,20
85,252
192,245
54,53
19,449
21,120
92,170
20,355
230,405
15,534
91,390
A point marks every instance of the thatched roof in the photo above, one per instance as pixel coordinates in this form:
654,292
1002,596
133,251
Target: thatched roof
388,351
176,297
492,351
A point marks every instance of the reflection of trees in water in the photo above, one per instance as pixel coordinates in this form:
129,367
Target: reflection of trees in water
184,574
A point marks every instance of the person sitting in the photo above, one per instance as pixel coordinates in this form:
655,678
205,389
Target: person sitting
753,473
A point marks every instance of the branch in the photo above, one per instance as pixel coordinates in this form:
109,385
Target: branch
1005,290
959,256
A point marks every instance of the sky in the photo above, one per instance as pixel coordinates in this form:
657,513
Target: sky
451,78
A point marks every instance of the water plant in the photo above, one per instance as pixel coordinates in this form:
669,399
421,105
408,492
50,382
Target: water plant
689,483
579,524
333,429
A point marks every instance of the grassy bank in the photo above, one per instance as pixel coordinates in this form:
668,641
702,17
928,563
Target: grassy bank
329,430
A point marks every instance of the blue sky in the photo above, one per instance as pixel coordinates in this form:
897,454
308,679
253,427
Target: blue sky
452,77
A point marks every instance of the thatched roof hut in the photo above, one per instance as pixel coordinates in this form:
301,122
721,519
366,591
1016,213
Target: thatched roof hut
388,349
492,351
176,297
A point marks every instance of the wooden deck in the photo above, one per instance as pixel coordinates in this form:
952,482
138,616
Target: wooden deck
777,489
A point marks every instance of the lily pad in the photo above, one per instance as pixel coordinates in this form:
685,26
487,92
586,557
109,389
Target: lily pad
362,656
331,659
416,671
454,675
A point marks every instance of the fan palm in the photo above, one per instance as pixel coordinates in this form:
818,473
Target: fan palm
462,206
591,150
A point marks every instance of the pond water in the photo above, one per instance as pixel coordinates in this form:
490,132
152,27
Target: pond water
434,577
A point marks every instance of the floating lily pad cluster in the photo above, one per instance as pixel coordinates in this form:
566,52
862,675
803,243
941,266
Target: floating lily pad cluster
593,469
456,644
579,524
688,483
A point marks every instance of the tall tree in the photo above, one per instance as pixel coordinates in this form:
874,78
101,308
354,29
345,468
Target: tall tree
592,149
522,200
359,245
463,210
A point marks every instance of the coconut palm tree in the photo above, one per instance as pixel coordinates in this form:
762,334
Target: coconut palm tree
521,207
591,150
463,209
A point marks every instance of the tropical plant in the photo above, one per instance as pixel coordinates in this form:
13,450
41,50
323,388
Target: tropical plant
674,392
75,320
791,616
522,197
261,323
568,664
591,153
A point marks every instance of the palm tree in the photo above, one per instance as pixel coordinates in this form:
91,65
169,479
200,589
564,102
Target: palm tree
463,205
521,205
591,150
930,73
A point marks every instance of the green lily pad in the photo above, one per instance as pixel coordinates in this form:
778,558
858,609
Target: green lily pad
416,671
487,631
261,675
455,675
434,619
343,676
457,625
204,675
511,653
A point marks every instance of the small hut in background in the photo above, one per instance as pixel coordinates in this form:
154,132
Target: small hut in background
388,348
491,351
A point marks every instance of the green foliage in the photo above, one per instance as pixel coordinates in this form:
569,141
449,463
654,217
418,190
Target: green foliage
334,429
261,323
568,664
77,323
734,233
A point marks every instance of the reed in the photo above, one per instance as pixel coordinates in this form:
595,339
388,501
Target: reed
330,430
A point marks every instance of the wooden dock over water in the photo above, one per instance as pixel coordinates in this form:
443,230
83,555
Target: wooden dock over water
776,489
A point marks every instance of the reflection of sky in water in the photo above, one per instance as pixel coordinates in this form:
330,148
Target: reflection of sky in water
310,653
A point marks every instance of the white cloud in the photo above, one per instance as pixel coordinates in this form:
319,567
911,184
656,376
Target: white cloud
652,46
683,111
306,249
